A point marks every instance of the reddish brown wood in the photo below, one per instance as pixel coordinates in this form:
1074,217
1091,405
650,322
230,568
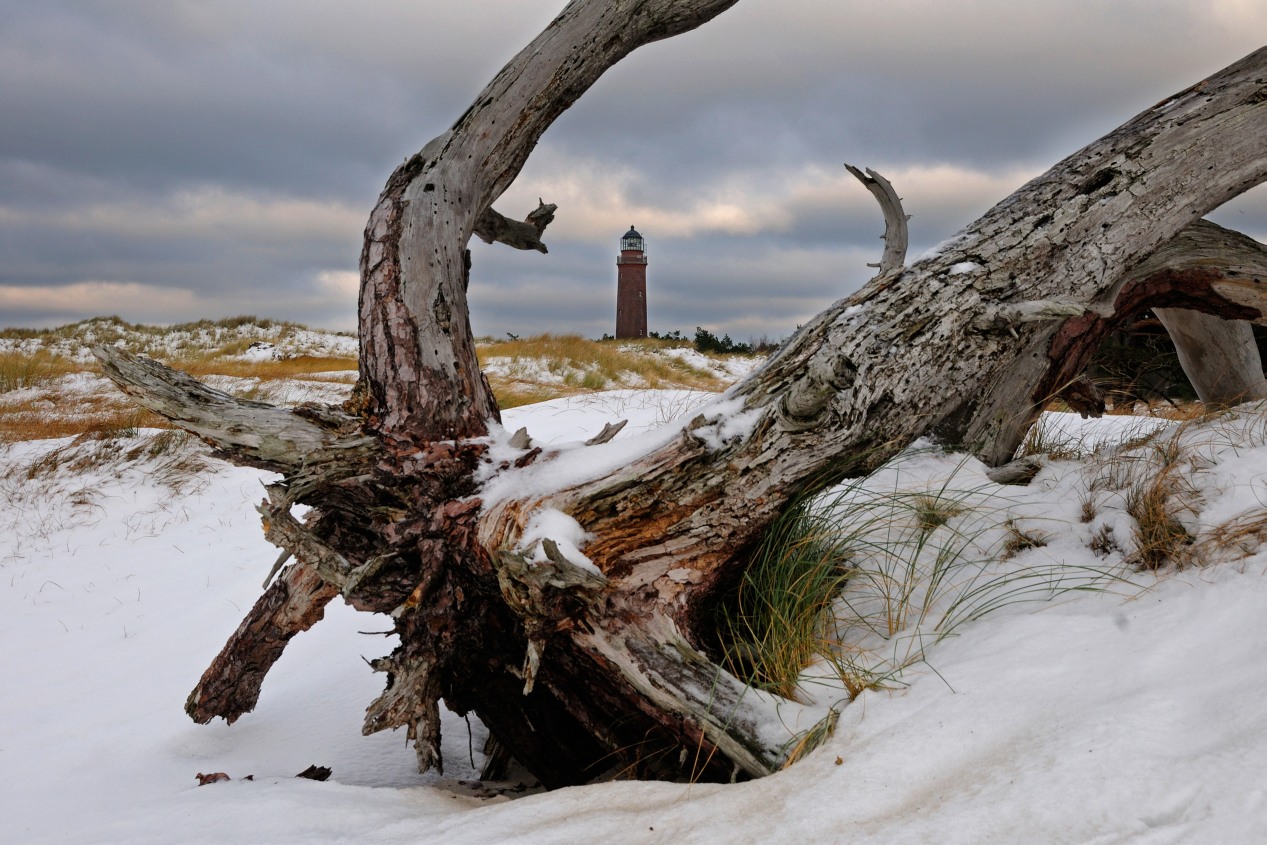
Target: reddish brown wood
230,688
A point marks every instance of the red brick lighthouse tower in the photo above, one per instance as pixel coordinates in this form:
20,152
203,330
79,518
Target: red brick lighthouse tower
631,286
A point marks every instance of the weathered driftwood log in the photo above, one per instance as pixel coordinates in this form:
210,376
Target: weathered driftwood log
580,664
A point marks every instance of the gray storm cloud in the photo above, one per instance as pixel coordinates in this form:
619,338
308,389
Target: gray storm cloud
171,161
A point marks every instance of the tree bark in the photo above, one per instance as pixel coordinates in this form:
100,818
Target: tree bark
574,670
419,377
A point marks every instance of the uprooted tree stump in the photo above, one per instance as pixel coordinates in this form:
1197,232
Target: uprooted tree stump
566,596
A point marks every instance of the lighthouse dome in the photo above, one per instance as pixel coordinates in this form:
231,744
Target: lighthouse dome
632,240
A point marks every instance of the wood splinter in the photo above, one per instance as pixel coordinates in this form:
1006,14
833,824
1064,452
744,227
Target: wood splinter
609,431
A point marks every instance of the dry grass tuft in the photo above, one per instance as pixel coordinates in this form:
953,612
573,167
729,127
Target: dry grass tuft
300,366
1158,536
20,370
933,510
512,394
583,364
1019,540
1237,538
49,415
1155,477
1104,542
1044,438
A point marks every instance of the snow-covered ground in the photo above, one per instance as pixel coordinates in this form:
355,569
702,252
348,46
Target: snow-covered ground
559,372
268,340
1131,713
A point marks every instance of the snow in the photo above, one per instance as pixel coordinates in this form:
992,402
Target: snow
272,341
654,418
730,367
566,532
580,417
953,242
727,423
260,351
1125,715
1070,431
963,268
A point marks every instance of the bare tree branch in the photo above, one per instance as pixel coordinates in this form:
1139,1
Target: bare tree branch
492,227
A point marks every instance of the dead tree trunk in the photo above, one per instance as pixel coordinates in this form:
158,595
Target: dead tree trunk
423,511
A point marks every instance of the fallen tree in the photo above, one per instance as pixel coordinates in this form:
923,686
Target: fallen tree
566,596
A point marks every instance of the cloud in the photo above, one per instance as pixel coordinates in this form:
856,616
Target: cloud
806,203
223,157
209,211
148,302
326,299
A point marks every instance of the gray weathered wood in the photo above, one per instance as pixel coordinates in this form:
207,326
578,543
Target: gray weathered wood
491,227
257,433
1219,357
1218,354
419,376
895,229
609,431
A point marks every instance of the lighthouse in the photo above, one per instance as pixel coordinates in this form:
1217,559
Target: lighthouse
631,286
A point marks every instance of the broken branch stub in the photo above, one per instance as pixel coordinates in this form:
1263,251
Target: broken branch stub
492,227
895,228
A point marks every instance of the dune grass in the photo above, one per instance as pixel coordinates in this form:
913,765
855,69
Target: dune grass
855,586
520,372
20,370
300,366
37,403
576,364
42,417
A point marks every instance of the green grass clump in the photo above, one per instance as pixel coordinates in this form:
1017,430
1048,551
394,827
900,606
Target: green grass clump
780,621
860,583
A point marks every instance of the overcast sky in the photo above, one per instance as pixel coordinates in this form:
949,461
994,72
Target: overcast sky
168,160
